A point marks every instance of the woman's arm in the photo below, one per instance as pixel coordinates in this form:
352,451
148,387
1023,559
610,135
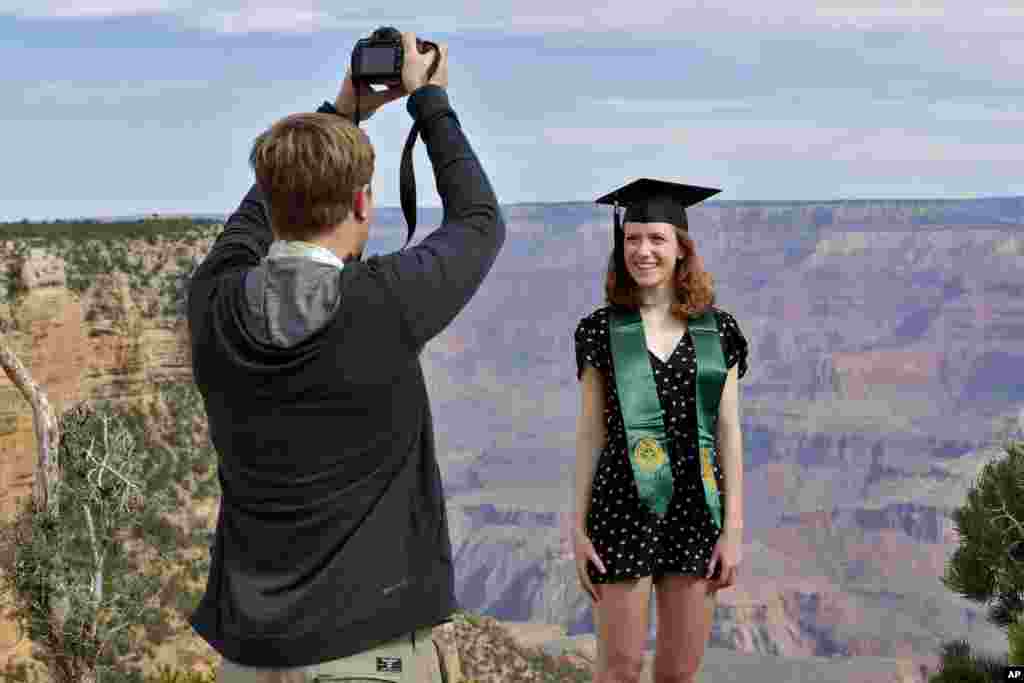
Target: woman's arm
590,439
730,450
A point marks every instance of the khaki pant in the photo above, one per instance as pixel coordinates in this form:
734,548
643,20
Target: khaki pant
411,658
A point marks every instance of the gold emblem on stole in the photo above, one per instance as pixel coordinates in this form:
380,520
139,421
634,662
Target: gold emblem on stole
648,454
705,465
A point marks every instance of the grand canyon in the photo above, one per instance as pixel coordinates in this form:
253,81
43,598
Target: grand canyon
885,370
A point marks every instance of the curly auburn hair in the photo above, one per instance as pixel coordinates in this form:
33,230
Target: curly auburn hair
695,287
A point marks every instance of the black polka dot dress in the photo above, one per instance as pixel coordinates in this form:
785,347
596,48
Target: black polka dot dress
630,540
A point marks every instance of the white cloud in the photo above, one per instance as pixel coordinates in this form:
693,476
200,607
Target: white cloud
114,93
953,16
791,141
898,145
655,16
983,37
747,140
830,102
65,9
976,112
672,106
267,19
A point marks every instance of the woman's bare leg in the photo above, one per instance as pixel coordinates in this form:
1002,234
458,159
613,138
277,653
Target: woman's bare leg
686,611
621,617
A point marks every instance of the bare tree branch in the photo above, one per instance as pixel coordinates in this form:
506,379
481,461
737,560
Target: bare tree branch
46,483
103,466
106,454
46,427
121,627
1005,514
97,586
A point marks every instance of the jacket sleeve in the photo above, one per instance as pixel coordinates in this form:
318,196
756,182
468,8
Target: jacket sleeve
435,279
244,241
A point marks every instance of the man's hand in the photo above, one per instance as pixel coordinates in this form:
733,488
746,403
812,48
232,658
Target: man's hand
414,76
369,101
416,66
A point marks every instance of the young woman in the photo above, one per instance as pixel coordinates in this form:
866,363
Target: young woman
669,531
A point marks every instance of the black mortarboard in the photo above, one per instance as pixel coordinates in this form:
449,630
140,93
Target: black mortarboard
656,201
652,201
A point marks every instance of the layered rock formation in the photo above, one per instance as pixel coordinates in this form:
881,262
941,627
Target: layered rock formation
882,343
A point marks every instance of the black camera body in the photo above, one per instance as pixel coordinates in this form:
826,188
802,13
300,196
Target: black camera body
378,60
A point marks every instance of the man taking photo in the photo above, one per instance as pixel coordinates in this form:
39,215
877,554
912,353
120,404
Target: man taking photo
332,557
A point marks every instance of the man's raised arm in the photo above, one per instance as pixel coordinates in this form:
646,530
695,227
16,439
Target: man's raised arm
436,279
244,241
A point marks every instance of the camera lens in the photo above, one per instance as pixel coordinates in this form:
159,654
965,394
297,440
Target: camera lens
387,33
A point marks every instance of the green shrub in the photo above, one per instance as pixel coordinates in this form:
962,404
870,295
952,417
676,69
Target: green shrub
23,672
166,674
89,247
1016,637
959,665
77,231
557,669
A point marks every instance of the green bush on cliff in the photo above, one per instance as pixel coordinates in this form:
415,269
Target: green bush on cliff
77,589
982,570
90,248
989,522
174,427
960,665
112,564
43,233
1016,638
486,646
166,674
557,669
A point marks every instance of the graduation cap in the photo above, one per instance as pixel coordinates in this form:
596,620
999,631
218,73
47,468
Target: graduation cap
657,201
652,201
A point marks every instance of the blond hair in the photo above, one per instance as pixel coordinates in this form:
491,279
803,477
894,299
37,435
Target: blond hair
309,166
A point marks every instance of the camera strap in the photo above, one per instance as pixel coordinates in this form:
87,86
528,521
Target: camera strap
407,176
407,183
406,173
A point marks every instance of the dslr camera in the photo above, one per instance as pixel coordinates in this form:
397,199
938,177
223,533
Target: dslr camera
378,60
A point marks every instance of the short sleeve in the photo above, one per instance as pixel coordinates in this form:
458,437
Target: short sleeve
591,343
734,344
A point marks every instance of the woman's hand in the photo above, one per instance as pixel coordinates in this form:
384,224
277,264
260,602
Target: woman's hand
584,551
728,553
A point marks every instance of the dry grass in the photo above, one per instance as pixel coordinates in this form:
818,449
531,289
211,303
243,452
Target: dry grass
489,653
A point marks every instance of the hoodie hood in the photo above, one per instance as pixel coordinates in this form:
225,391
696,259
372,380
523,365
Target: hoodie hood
290,298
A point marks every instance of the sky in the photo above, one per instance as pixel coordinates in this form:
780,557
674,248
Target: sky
126,107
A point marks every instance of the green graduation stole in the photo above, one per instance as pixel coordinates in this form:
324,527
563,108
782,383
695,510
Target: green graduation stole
642,414
711,373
